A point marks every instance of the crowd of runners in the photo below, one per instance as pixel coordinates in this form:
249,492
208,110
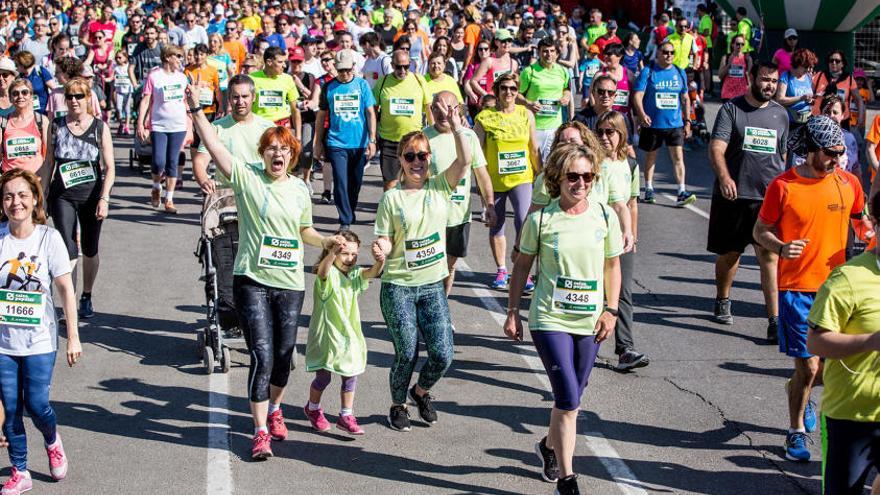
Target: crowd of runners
537,109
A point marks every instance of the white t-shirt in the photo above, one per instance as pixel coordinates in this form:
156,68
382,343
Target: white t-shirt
375,68
27,269
168,108
313,67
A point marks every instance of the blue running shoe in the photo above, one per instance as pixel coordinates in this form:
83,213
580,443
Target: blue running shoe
685,198
796,447
530,285
649,196
810,416
86,310
500,282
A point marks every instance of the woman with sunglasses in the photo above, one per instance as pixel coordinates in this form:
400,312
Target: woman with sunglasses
476,88
275,221
79,158
577,243
625,78
163,102
411,226
734,70
782,56
508,137
24,133
838,81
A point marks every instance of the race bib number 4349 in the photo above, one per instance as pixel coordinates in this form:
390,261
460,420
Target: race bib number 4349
279,252
21,308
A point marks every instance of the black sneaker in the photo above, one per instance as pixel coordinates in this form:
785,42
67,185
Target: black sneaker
426,409
326,198
773,330
549,466
722,312
398,418
85,308
630,360
567,486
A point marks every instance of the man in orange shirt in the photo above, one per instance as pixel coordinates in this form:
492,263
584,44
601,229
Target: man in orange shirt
873,153
805,218
233,45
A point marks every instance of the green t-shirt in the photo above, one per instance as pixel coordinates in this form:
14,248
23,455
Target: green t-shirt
540,196
401,105
336,342
416,223
545,86
592,33
442,156
634,182
705,28
744,27
847,303
270,216
378,17
240,138
446,84
274,95
569,295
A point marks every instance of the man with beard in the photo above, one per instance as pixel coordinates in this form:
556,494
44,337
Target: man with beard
134,35
805,220
747,151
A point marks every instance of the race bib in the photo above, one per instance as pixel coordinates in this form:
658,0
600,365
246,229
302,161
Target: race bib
123,84
737,71
131,47
206,97
347,104
404,107
76,173
575,296
172,92
621,99
549,108
759,140
512,162
36,102
279,252
459,194
21,147
60,113
21,308
666,101
270,98
74,41
422,253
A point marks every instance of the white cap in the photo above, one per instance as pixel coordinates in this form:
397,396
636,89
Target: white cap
219,10
791,33
7,65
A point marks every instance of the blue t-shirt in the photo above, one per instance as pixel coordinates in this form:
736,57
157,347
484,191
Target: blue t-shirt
276,39
38,78
217,27
347,105
589,68
663,89
798,87
631,62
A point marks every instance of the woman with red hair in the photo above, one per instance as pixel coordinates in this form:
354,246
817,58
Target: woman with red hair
275,219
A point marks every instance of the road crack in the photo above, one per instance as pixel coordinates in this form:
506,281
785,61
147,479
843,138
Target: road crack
729,423
645,288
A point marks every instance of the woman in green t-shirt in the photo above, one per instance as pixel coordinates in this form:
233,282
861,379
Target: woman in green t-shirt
577,243
411,226
275,219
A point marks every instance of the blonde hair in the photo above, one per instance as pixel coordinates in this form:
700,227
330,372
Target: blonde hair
616,121
408,139
80,84
587,136
169,50
560,161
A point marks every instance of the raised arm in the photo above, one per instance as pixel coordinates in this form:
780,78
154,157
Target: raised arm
221,156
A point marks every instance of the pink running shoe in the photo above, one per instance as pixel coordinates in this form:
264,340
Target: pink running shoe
57,459
349,424
319,422
277,428
19,482
262,446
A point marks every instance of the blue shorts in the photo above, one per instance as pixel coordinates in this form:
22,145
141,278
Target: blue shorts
794,307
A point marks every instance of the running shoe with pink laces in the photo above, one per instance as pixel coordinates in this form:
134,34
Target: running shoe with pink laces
262,446
277,428
319,422
57,459
349,424
19,482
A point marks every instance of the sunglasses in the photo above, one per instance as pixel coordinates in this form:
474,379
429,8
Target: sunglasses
605,132
401,67
605,92
23,92
833,153
739,44
74,96
410,156
483,48
512,89
248,66
574,176
668,52
326,60
835,61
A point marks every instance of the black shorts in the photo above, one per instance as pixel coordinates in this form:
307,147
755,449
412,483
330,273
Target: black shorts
389,162
731,224
651,139
457,240
851,449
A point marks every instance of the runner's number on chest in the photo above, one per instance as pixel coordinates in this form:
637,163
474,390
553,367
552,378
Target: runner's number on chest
402,106
759,140
270,98
21,147
21,308
76,173
425,252
279,252
576,296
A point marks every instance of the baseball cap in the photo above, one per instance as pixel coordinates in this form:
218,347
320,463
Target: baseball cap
219,10
307,40
296,53
791,33
503,35
612,24
339,26
7,65
344,60
299,14
18,33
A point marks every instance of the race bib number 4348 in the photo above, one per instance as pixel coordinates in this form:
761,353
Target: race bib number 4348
575,296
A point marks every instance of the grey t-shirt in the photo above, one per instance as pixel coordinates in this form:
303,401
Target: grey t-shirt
755,140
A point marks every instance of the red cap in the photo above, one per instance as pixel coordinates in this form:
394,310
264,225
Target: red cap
296,53
339,26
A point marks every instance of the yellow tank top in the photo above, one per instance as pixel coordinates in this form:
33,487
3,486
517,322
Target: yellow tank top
507,147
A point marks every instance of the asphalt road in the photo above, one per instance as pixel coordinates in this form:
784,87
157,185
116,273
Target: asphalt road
139,415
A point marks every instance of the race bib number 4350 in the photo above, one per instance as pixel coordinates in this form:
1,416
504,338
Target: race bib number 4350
759,140
575,296
279,252
422,253
21,308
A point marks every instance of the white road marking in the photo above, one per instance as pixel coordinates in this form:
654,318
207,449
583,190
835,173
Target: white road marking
622,475
688,207
219,476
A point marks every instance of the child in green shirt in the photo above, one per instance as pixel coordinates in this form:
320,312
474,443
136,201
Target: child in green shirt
336,343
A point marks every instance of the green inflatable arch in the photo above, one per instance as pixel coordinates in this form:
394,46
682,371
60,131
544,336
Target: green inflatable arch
842,16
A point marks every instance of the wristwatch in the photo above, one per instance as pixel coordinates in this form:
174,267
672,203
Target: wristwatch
613,312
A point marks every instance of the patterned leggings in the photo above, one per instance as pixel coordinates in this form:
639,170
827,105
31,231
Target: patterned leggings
407,312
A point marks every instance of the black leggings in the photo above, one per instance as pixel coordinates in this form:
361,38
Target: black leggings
66,212
268,318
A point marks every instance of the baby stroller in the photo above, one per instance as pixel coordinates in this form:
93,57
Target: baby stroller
141,153
216,251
